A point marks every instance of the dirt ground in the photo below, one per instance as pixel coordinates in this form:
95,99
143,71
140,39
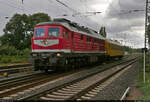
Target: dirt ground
134,94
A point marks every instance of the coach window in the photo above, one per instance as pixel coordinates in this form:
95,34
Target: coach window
39,32
53,32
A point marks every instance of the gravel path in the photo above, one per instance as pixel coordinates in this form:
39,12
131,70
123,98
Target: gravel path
116,89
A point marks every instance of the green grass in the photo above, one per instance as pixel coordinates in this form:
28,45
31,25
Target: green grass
6,60
144,87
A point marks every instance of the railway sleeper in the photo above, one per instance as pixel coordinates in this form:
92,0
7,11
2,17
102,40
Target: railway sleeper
63,94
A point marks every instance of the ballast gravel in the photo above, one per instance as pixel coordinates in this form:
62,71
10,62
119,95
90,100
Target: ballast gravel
116,89
55,83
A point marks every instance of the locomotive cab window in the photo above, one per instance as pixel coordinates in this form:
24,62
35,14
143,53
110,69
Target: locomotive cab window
53,32
39,32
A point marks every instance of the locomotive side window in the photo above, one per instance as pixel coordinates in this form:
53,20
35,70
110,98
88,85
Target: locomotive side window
53,32
65,34
88,39
81,37
39,32
96,40
72,36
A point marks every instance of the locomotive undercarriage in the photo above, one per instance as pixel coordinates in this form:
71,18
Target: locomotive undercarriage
64,62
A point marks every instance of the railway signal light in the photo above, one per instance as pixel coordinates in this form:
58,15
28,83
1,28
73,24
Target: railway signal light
5,74
144,49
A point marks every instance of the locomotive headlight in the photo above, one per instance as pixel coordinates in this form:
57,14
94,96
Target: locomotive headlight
58,54
34,54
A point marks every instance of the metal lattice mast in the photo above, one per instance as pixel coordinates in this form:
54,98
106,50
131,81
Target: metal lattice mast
145,41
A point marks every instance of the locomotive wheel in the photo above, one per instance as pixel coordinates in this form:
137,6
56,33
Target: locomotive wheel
78,63
66,61
66,65
72,63
36,68
83,63
46,71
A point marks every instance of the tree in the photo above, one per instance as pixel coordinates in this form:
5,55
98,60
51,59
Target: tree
37,18
14,32
103,31
19,29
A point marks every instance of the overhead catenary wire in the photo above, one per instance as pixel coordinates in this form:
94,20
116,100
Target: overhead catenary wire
5,14
23,7
60,2
65,13
73,10
124,13
10,5
19,6
66,5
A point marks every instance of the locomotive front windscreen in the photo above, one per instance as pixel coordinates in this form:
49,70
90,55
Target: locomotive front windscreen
53,32
39,32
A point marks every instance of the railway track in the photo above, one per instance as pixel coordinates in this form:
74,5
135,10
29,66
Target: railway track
15,68
84,88
6,86
11,69
34,90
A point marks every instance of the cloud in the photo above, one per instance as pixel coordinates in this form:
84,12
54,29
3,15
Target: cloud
122,21
124,9
115,14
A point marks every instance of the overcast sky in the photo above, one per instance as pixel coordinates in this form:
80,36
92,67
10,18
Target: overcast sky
120,23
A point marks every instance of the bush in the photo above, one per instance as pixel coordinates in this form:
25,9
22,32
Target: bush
9,54
17,59
8,50
5,60
26,52
13,59
12,51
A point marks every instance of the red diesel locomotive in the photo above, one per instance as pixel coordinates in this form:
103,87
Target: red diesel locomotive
62,45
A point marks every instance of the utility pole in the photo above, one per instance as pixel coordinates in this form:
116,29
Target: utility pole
22,1
144,56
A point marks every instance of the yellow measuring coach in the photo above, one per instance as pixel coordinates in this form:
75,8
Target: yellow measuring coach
114,49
